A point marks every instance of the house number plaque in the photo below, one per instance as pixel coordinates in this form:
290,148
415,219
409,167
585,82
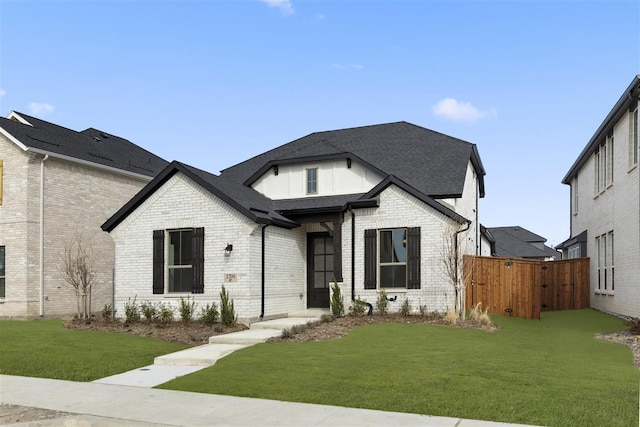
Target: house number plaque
230,277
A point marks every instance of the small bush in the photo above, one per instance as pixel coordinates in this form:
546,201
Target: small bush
107,313
382,303
187,309
422,308
209,313
148,311
327,318
451,317
474,313
165,313
634,325
484,318
405,308
228,315
358,307
287,333
337,301
131,311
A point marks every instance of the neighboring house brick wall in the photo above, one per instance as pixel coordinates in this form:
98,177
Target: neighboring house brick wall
78,199
614,208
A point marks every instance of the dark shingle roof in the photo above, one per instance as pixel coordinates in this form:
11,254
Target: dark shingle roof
433,163
246,200
518,242
90,145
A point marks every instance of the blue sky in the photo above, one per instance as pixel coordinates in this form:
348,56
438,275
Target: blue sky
212,83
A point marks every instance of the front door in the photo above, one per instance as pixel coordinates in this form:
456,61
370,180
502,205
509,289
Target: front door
319,269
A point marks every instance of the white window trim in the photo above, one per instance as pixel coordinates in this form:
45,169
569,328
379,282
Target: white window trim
167,267
306,176
387,264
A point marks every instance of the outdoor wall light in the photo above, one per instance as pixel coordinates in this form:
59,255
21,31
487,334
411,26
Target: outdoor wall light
228,249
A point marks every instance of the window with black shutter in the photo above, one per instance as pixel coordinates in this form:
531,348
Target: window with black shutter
183,268
392,258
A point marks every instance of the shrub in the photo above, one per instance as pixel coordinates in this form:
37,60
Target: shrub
474,313
227,311
634,325
148,311
327,318
422,308
209,313
107,313
337,301
451,317
382,303
164,313
358,307
187,309
405,308
131,311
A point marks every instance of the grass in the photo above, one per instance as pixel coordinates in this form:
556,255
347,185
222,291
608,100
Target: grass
45,349
548,372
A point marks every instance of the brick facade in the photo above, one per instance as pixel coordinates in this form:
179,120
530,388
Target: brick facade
77,200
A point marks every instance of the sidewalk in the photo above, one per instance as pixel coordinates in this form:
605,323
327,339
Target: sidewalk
102,405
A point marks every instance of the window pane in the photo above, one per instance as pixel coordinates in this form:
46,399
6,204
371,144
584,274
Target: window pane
393,246
312,180
393,276
318,246
180,279
318,263
329,246
2,274
180,251
329,263
2,288
319,280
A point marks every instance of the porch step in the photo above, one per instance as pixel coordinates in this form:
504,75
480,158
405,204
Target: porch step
248,337
204,355
281,324
315,313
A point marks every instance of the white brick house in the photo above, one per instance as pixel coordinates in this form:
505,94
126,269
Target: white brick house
367,207
605,208
56,183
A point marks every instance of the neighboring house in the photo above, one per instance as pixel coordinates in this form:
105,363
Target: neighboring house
368,208
487,242
55,184
605,207
518,242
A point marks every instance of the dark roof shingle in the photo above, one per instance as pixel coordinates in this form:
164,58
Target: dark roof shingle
90,145
433,163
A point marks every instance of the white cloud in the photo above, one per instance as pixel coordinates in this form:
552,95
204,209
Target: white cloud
2,92
285,6
40,108
455,110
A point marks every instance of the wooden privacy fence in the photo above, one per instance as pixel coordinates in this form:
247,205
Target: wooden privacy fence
524,288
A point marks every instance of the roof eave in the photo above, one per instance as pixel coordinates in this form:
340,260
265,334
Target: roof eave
629,98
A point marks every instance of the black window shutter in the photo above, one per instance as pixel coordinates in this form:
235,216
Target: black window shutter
370,261
413,258
198,261
158,261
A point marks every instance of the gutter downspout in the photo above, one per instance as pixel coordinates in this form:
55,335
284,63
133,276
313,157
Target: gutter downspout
455,244
353,252
262,280
44,159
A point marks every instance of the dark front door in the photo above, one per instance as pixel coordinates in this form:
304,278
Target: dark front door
319,269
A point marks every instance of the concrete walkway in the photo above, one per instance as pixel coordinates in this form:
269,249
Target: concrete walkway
127,399
102,405
168,367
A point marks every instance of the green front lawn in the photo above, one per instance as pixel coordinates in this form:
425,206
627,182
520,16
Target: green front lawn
547,372
45,349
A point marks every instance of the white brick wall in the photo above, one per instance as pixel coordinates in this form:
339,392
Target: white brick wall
399,209
78,200
182,203
617,209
